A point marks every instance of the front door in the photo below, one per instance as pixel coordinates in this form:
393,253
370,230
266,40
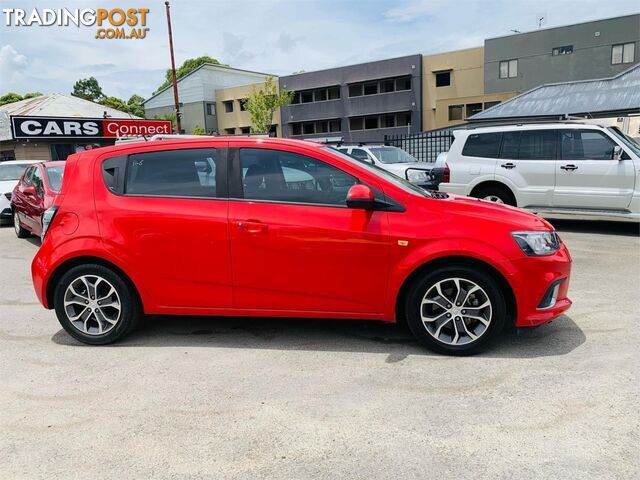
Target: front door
295,245
587,176
527,163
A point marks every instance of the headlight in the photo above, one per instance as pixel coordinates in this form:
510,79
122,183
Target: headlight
417,176
537,243
47,217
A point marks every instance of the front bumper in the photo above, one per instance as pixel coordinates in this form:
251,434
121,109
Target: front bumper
531,283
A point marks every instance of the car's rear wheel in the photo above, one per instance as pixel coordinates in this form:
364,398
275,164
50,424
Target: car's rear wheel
456,310
20,232
95,305
495,193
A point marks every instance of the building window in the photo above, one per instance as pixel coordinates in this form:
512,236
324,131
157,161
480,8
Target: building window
316,126
509,69
373,87
385,120
473,108
443,79
403,84
316,95
371,123
243,106
335,125
228,106
567,49
211,109
355,90
388,121
455,112
230,131
245,130
306,97
334,93
320,95
296,98
623,53
490,104
296,129
356,123
403,119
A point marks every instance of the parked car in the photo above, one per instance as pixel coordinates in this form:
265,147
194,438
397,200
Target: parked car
33,195
286,228
394,160
10,173
568,170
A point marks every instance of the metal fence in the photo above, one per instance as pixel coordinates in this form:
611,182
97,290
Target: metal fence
425,146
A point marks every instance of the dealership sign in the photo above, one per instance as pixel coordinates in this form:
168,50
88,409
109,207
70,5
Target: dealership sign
79,128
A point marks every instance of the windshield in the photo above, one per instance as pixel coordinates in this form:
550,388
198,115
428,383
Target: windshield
54,175
626,139
12,171
388,176
392,155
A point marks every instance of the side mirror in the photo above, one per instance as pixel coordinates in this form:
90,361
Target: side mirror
617,153
360,196
30,191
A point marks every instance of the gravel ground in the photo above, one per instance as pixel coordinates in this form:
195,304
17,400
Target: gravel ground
271,398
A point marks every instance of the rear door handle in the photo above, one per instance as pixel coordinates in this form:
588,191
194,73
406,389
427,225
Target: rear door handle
508,166
252,226
569,167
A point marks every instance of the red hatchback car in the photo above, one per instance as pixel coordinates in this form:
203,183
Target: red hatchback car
33,196
273,227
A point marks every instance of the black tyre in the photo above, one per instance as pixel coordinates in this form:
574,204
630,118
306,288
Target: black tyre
495,193
20,232
95,305
456,310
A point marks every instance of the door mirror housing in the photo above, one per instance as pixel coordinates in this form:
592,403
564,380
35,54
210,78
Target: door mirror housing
617,153
361,196
30,191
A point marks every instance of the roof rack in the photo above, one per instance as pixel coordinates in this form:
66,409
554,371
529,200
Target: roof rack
520,122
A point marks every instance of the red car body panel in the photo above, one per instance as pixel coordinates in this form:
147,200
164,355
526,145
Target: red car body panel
243,257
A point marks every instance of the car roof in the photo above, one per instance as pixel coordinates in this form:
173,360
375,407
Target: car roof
54,163
21,162
248,141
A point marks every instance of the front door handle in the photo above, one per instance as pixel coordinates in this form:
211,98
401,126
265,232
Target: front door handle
508,166
252,226
569,167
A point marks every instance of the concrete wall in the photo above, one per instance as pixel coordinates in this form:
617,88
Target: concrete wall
466,68
193,114
345,107
591,57
238,118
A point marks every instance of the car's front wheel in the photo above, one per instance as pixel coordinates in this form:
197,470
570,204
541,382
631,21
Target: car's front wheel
456,310
96,305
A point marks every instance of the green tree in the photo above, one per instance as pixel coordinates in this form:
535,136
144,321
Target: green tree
263,102
135,105
10,97
115,102
32,95
198,130
188,66
167,116
89,89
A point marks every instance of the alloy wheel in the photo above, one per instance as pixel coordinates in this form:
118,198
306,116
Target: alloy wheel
493,198
456,311
16,223
92,305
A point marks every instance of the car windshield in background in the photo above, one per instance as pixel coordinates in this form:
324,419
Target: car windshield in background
392,155
54,175
626,139
12,171
390,177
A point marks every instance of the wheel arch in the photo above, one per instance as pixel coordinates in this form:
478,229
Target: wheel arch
67,265
458,261
495,184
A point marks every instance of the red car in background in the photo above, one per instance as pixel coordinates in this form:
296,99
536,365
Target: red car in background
34,194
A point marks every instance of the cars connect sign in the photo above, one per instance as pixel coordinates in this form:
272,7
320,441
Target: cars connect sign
73,128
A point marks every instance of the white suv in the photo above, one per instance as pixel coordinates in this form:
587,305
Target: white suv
568,170
394,160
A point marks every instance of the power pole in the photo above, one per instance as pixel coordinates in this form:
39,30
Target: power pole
173,71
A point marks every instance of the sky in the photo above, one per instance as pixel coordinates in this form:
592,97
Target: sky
274,36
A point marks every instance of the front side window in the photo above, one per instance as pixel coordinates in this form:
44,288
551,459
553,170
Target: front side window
585,145
280,176
182,173
485,145
623,53
360,154
54,176
37,182
392,155
537,145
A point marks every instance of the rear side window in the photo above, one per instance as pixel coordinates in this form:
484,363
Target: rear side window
537,145
486,145
585,145
182,173
54,176
280,176
510,145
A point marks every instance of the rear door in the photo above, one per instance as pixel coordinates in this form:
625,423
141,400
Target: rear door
164,212
527,165
36,202
588,176
296,246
